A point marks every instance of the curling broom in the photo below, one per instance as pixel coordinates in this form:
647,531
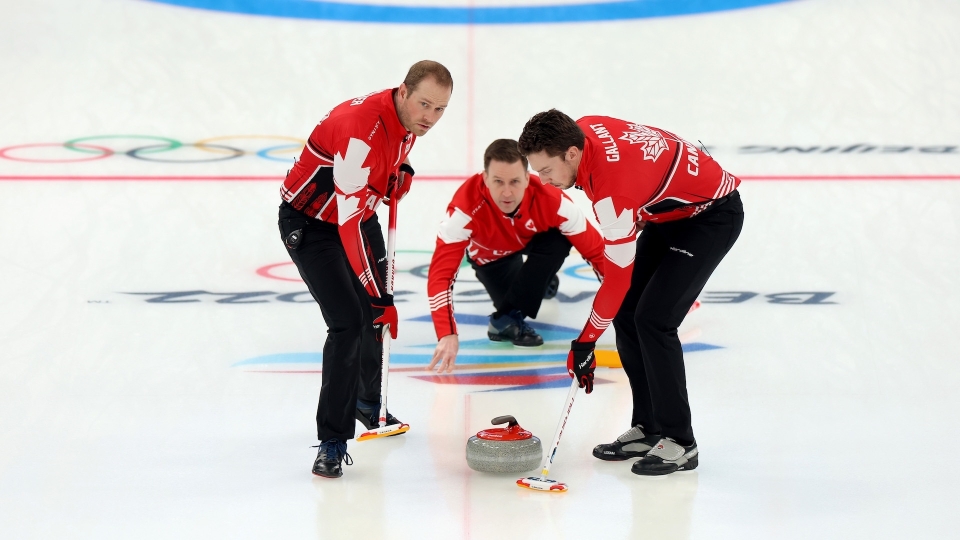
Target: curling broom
384,430
542,483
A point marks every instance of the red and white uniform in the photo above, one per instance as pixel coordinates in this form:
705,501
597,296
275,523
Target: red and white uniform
634,173
474,223
364,142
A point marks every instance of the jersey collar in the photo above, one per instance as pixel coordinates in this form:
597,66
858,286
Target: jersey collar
392,119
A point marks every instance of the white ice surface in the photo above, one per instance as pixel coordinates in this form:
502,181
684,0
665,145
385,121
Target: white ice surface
122,418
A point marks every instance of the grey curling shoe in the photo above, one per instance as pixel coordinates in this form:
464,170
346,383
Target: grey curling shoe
666,457
633,443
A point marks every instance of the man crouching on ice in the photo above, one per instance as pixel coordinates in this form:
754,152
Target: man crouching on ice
497,217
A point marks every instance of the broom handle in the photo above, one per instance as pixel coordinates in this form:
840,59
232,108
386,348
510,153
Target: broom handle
385,364
391,243
567,407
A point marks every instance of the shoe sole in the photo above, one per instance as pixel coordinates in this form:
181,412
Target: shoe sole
670,468
325,476
618,457
495,337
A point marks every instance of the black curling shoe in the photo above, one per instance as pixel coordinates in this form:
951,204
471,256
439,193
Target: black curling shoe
511,327
369,416
552,288
329,456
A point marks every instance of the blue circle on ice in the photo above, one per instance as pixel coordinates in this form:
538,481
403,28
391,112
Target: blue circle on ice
562,13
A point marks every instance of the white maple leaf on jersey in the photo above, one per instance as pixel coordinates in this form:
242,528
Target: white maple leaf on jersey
653,142
616,228
454,228
347,207
350,177
348,171
574,222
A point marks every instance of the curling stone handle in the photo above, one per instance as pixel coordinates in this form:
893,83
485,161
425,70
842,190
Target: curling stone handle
507,418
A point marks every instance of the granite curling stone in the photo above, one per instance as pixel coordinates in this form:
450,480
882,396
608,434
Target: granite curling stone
504,450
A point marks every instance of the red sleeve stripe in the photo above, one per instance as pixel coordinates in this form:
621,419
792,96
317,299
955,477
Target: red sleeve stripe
727,183
440,300
599,322
366,278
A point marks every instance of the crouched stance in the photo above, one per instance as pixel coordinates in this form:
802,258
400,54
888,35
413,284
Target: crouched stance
642,178
497,217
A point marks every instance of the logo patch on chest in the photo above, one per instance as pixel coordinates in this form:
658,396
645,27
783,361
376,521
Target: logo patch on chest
653,142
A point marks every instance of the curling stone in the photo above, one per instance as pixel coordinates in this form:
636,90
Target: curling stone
504,450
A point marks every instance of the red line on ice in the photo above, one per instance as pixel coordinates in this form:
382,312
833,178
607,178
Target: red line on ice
448,178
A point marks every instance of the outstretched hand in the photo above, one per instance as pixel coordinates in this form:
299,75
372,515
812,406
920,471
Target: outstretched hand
445,355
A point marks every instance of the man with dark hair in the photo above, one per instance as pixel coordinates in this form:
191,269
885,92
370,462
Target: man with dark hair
642,178
354,159
496,217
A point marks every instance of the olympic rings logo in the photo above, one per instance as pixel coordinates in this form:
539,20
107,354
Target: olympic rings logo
157,149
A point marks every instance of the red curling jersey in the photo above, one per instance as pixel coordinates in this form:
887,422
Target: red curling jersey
634,173
474,223
364,143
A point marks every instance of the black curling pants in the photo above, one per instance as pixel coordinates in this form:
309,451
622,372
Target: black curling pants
511,281
351,352
674,261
